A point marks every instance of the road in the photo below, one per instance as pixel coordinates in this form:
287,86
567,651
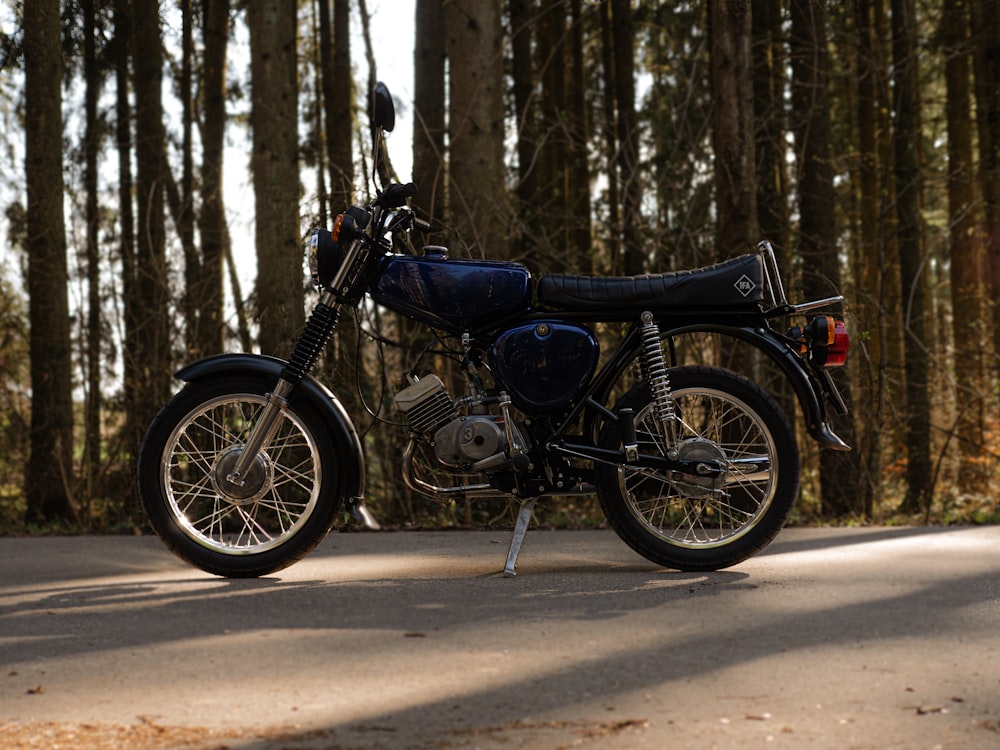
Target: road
832,638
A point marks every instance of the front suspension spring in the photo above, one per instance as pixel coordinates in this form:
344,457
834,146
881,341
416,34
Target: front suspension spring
317,332
655,370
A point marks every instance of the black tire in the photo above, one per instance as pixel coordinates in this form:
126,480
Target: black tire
287,505
692,523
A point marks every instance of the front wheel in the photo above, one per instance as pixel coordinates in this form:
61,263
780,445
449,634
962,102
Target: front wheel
694,523
283,509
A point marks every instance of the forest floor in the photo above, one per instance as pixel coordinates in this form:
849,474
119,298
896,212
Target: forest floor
831,638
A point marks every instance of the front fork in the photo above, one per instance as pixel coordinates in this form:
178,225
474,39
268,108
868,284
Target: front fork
317,333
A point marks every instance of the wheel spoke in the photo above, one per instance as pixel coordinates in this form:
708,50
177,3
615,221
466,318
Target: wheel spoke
692,510
278,500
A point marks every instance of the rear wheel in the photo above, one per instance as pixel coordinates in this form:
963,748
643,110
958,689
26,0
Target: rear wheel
690,522
283,509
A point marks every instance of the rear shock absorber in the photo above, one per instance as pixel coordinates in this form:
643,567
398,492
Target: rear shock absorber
655,370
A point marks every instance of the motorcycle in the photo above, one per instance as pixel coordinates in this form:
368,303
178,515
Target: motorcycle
249,466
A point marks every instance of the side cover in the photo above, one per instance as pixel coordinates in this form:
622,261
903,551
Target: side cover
544,365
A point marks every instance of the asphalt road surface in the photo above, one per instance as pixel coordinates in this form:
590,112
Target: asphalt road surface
832,638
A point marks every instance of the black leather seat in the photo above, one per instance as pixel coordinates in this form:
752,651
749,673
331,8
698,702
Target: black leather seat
736,283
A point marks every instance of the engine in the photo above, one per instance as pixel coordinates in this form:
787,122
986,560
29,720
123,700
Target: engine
458,440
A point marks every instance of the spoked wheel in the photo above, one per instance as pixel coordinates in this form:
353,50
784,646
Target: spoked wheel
284,507
692,522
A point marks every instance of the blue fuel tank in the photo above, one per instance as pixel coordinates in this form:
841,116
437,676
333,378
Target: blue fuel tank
457,295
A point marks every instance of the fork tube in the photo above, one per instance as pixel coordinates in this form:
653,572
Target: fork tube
263,431
314,337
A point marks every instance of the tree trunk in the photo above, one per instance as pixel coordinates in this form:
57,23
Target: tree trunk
429,112
911,265
614,261
732,133
551,199
212,221
523,21
338,99
50,469
628,134
839,471
769,118
578,175
986,33
280,295
871,263
186,221
93,78
966,263
131,363
477,191
153,340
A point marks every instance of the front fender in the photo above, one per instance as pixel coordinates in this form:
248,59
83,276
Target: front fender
321,398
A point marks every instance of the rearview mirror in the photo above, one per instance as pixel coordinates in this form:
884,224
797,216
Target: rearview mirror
383,111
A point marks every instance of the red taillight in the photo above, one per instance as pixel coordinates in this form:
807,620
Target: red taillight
824,341
836,350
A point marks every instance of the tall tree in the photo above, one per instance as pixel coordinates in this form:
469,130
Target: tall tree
911,262
985,16
769,118
477,186
872,267
965,278
131,364
338,99
627,132
50,468
212,226
610,140
523,22
839,472
578,153
185,213
280,296
152,343
429,110
732,132
93,80
551,199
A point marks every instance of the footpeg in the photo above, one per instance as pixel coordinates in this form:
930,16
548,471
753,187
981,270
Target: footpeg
358,512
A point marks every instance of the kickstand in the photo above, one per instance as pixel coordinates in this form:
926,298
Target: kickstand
520,528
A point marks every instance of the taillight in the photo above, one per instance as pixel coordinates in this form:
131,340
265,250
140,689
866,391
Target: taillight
825,341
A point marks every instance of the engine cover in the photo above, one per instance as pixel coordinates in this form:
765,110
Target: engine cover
469,439
544,365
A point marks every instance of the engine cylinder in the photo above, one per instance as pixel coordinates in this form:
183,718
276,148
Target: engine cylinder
426,404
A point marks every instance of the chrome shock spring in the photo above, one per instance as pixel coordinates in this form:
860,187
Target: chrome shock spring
655,370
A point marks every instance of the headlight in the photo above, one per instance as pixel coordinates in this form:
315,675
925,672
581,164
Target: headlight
326,248
325,256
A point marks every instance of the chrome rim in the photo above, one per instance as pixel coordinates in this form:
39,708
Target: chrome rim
281,488
697,512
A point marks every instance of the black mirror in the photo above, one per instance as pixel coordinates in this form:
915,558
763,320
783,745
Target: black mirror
383,111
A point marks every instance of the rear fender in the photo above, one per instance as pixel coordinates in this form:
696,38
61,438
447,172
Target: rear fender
808,391
321,398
